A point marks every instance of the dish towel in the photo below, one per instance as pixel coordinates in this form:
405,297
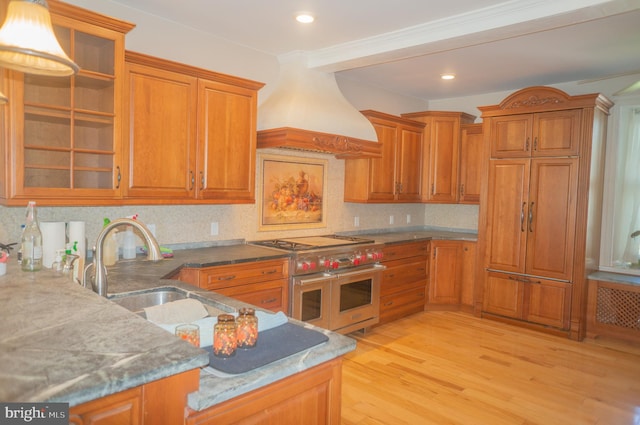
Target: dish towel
181,311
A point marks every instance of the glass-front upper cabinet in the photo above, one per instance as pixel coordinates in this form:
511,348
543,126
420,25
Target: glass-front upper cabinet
64,132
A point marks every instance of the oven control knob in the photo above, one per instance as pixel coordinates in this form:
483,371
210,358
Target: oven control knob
355,260
335,264
312,265
326,263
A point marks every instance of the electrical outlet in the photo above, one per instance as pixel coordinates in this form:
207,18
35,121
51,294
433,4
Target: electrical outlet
408,218
391,219
214,228
356,221
152,229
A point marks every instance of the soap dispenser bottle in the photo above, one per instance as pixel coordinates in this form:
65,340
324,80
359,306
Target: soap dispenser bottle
129,244
110,247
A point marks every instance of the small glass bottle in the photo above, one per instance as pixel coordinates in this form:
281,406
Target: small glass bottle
224,336
247,323
31,241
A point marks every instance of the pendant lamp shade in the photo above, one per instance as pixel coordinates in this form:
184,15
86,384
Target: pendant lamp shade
28,43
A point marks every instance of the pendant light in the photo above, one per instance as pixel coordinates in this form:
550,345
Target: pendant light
28,43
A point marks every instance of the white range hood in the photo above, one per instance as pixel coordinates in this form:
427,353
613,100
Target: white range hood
307,111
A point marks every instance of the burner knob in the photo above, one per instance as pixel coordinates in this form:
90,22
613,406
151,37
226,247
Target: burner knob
312,265
326,263
335,264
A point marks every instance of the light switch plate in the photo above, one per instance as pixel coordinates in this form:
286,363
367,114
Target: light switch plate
214,228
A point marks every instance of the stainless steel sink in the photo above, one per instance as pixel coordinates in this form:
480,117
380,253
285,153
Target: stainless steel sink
138,301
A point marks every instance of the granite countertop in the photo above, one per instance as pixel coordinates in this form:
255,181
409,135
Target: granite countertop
418,234
62,342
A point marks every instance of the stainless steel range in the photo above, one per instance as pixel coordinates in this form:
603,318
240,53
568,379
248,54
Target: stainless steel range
335,280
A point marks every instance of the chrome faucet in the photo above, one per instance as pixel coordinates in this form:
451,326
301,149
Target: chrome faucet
99,277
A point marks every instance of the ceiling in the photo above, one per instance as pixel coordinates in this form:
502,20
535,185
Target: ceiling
405,45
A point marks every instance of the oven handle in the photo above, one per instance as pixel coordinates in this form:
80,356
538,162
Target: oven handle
311,280
367,269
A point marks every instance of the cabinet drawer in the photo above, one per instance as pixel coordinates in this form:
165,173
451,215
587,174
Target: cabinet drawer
402,304
214,278
398,279
405,250
268,295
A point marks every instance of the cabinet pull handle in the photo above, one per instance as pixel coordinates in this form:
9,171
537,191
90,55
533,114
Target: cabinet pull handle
535,143
118,178
269,301
531,217
526,145
462,190
388,304
230,277
269,271
201,180
192,178
522,217
524,280
433,188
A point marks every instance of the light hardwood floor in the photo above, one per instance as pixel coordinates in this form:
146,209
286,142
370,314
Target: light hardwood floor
454,368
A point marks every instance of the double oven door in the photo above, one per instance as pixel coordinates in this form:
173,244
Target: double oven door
341,302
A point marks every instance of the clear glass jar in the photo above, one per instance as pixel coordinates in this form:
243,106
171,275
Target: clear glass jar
247,323
224,336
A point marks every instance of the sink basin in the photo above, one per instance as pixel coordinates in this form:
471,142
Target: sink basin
138,301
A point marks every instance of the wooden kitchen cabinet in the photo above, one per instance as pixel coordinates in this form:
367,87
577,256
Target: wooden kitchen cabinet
198,148
531,210
160,402
554,133
404,281
452,275
470,171
539,219
63,145
260,283
309,397
441,147
394,177
535,300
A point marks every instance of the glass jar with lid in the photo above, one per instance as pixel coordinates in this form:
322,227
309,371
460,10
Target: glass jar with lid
224,336
247,324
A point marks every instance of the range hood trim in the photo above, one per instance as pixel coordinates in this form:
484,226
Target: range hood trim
313,141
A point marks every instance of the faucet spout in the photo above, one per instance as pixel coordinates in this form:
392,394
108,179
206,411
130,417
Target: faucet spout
99,278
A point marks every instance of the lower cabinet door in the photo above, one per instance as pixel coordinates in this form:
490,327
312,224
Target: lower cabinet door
549,303
503,295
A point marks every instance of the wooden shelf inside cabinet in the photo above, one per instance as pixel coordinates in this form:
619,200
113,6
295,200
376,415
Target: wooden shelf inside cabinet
65,131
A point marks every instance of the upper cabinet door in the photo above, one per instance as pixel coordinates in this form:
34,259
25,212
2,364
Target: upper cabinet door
443,160
556,133
383,170
511,136
471,150
161,133
226,142
408,165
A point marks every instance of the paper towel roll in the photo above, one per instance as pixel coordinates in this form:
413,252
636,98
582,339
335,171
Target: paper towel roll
75,231
53,238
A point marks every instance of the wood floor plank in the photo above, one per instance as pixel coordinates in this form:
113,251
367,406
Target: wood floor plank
454,368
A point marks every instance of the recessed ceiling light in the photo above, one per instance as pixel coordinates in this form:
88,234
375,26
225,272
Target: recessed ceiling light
304,18
447,76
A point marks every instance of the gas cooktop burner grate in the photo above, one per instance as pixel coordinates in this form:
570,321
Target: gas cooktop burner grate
312,242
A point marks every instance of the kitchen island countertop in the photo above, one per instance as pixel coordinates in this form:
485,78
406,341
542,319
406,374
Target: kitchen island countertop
62,342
